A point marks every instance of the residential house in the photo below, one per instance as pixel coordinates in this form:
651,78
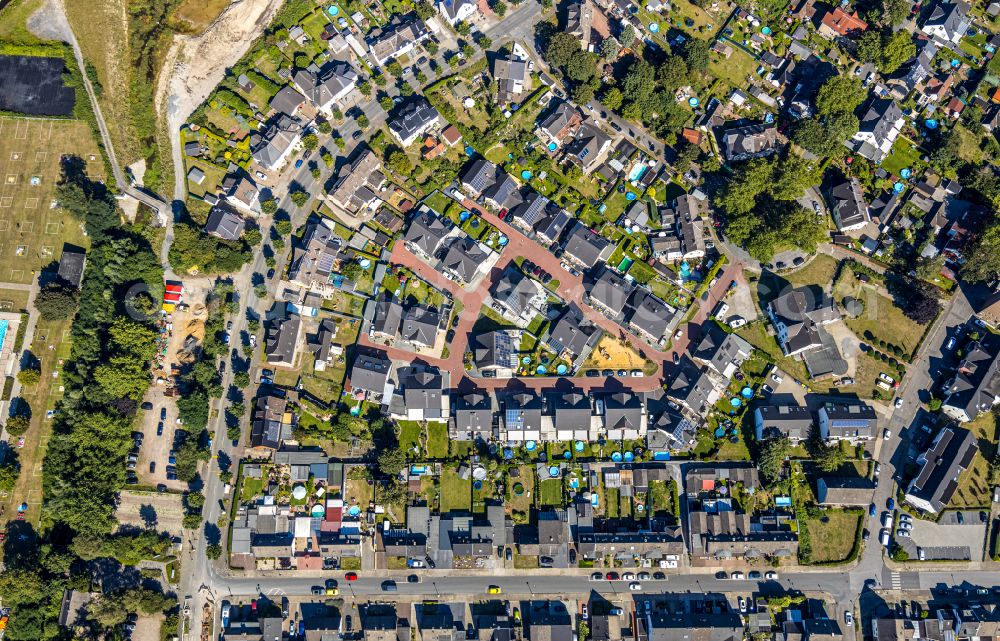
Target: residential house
848,208
421,395
410,542
287,101
530,210
413,119
316,256
244,195
950,454
573,335
471,539
397,38
472,417
794,422
671,429
520,417
495,352
976,386
547,536
721,351
609,293
504,193
425,234
692,388
840,23
419,325
549,229
719,529
512,78
326,87
681,622
650,317
370,372
880,126
585,247
225,223
847,422
388,621
948,23
748,141
798,315
572,416
358,185
272,422
579,21
321,345
588,146
624,416
271,148
844,491
282,340
561,124
463,258
689,226
478,175
521,298
455,11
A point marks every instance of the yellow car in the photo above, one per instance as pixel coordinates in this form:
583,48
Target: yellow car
494,589
332,592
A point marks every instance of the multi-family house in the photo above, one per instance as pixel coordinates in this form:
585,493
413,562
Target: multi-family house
975,387
941,466
879,127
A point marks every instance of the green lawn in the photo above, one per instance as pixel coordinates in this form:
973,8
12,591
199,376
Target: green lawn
903,155
409,436
456,493
526,477
550,492
974,486
832,535
611,506
880,317
437,440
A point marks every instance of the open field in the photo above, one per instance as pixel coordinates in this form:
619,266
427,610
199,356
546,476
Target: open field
32,231
198,14
614,354
14,18
975,484
161,510
832,535
880,317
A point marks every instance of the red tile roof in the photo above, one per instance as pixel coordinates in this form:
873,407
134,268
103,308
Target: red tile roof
844,23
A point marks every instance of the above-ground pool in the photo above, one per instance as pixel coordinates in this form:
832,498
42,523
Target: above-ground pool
625,264
747,392
629,457
554,471
630,196
616,457
574,483
595,500
735,402
365,263
526,175
553,146
354,510
4,324
418,469
318,510
719,432
530,446
356,410
541,370
578,446
567,455
332,10
561,369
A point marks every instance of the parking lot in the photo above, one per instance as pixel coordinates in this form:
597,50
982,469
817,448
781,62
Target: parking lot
947,539
156,448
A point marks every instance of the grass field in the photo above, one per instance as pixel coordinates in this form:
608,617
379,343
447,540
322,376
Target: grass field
883,319
32,231
526,477
198,14
832,535
13,19
437,440
550,492
974,486
456,493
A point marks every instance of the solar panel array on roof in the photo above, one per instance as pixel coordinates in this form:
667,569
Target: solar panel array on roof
849,423
514,419
325,263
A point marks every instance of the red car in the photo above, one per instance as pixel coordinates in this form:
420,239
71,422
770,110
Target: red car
612,576
20,441
20,516
351,576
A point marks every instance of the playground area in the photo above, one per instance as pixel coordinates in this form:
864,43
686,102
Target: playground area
613,353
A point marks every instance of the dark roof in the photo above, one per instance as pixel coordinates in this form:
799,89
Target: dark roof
977,381
426,231
420,325
749,141
950,454
844,490
792,421
225,223
71,265
650,314
587,247
412,117
478,175
691,386
720,349
464,256
388,315
370,372
473,412
849,209
493,349
572,332
623,411
423,389
282,337
287,100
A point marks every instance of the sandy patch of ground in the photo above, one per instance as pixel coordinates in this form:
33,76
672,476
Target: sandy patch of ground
161,510
612,353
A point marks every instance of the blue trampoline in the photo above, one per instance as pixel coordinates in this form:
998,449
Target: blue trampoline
719,432
477,485
553,146
630,196
654,28
629,457
931,123
508,453
474,223
354,510
464,216
554,471
541,370
567,455
530,446
578,446
469,151
616,457
561,369
503,240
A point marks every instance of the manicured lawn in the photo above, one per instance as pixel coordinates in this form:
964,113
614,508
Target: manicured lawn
456,493
438,202
437,440
733,70
756,334
551,492
819,271
409,436
903,155
832,535
610,497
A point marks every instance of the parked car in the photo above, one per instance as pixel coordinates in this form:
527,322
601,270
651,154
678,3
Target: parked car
596,576
628,576
351,576
950,345
848,618
584,612
771,576
163,413
737,576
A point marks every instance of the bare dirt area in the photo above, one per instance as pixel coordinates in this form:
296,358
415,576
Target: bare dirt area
161,510
612,353
194,65
147,628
